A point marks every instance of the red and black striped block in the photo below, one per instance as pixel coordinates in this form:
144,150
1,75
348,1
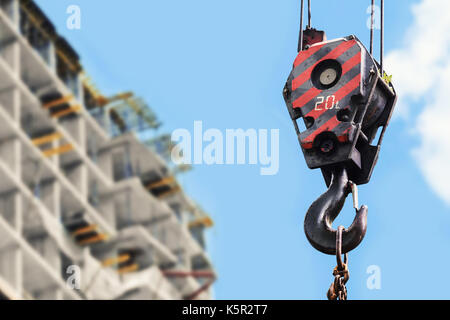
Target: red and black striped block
336,87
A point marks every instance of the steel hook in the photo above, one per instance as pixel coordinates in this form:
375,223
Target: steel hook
323,211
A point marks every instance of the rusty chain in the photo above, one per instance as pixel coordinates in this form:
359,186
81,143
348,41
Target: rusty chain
338,290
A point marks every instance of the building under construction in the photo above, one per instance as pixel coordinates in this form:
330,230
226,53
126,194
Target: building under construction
90,207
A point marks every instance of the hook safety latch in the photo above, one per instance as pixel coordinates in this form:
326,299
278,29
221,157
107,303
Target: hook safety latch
323,211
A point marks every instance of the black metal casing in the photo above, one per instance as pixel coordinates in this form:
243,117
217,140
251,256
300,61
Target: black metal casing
338,89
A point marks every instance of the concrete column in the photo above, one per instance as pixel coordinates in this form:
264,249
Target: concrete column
76,128
50,196
84,187
16,58
106,207
11,154
104,162
82,136
107,120
18,212
10,97
52,57
17,106
16,13
11,209
48,250
55,158
80,91
79,178
17,150
56,199
19,270
11,267
17,101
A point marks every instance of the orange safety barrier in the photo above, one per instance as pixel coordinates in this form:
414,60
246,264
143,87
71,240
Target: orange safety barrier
116,260
57,102
169,192
161,182
65,112
93,239
83,230
46,139
58,150
129,268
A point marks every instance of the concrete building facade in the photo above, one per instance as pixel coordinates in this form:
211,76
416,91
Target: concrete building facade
86,212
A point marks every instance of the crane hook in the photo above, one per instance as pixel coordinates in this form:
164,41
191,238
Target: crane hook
325,209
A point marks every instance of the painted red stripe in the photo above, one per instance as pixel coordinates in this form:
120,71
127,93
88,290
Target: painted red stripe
317,113
334,54
301,79
307,96
305,54
350,63
349,87
344,136
307,143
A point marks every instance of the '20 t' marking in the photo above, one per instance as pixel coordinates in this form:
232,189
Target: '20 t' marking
326,103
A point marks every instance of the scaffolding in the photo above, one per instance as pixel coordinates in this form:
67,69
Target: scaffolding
121,113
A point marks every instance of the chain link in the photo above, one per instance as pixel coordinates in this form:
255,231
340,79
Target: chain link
338,290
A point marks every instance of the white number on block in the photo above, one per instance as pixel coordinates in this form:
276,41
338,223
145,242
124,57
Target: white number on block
330,103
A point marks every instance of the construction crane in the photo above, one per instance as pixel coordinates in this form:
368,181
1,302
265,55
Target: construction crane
344,97
103,101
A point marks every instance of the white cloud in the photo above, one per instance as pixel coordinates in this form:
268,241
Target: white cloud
421,70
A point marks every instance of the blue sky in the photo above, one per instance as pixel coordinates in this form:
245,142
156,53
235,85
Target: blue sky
225,63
